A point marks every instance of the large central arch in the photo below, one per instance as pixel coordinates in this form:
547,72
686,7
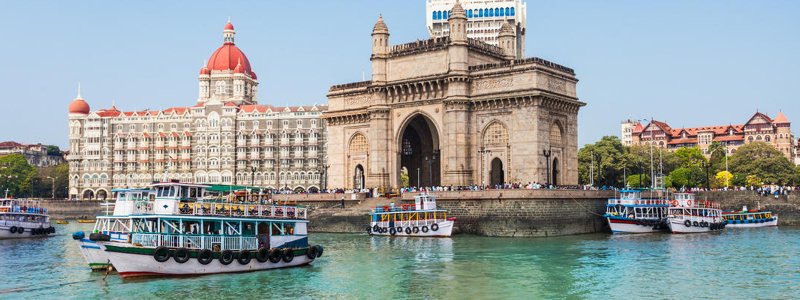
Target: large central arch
419,152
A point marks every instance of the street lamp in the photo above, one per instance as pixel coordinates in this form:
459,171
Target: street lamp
483,151
325,176
547,154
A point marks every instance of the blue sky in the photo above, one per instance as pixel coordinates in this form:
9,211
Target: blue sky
689,63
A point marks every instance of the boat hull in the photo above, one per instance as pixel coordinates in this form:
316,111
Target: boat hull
772,223
445,230
140,265
678,226
5,233
623,226
94,254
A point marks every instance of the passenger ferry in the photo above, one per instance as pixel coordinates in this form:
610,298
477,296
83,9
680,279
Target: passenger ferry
420,219
116,226
188,235
749,219
23,219
631,214
687,215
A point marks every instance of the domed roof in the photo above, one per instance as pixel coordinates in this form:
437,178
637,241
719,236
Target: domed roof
205,71
229,26
228,56
79,106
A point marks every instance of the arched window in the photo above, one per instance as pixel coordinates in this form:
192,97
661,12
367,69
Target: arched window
512,11
495,135
220,87
434,16
358,144
507,12
496,12
767,138
491,12
556,134
480,12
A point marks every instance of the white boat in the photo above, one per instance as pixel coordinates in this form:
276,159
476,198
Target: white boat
686,215
750,219
631,214
117,226
186,235
21,218
422,219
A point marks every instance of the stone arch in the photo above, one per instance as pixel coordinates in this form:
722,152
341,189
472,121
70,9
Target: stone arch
495,134
87,194
102,194
419,147
358,144
497,173
556,134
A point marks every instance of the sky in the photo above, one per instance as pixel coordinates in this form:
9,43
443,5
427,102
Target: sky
686,62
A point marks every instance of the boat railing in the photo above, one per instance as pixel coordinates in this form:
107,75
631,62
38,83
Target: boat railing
9,223
409,223
243,210
187,241
23,209
638,202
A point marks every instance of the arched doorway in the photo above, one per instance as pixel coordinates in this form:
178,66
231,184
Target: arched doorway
555,172
419,152
497,174
358,178
88,195
102,195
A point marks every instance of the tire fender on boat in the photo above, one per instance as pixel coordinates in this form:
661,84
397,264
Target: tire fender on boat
408,230
226,257
20,230
319,250
205,256
181,255
161,254
311,252
274,255
376,228
399,229
392,231
416,229
244,257
424,228
687,223
435,227
13,229
288,255
696,224
263,255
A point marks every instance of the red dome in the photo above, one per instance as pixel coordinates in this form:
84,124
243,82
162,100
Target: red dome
205,71
79,106
227,57
229,26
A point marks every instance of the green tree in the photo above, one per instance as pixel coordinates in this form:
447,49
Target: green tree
687,177
16,175
609,161
638,181
763,161
53,150
49,177
690,156
717,159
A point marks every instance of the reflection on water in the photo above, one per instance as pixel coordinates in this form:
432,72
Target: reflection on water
760,263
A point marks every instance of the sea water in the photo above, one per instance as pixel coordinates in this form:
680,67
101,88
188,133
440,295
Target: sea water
735,264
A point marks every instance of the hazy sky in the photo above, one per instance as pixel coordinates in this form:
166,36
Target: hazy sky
689,63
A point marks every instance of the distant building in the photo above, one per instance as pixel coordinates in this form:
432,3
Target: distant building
759,128
484,20
226,137
627,129
35,154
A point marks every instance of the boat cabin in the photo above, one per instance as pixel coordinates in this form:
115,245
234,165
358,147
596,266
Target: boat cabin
425,202
168,196
133,201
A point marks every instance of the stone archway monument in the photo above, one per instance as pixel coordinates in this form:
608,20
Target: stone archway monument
459,103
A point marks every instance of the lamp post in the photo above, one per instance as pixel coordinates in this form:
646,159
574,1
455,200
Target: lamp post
418,183
483,151
706,165
325,176
547,154
53,188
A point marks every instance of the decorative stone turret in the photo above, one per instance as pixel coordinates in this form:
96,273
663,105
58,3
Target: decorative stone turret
457,51
380,50
507,41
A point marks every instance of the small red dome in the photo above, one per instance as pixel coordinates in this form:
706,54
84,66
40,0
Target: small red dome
239,68
205,71
228,57
79,106
229,26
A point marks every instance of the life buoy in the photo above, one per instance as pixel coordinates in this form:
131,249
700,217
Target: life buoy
416,229
161,254
244,257
288,255
205,256
263,254
319,250
13,229
311,252
435,227
274,255
226,257
688,202
424,229
181,255
408,230
392,231
674,202
687,223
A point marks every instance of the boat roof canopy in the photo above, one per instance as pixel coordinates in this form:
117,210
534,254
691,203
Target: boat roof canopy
157,184
124,190
229,188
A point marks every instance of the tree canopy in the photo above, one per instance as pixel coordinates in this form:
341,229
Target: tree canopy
763,161
15,175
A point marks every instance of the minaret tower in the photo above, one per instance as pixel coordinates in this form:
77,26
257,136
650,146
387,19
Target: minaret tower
458,39
507,41
380,50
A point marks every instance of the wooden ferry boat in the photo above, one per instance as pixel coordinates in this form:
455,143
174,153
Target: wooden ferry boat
631,214
421,219
687,215
23,219
750,219
188,235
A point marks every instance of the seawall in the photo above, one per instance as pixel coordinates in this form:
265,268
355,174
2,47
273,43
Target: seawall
70,209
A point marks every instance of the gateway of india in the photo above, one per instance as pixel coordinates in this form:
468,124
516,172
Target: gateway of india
453,110
450,110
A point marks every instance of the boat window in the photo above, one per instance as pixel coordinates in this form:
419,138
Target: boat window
288,228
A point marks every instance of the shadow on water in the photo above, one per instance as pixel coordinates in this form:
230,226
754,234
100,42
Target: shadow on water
756,263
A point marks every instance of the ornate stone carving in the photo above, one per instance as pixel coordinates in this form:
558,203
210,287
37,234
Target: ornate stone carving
357,100
495,83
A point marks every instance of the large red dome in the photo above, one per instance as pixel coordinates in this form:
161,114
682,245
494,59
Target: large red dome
227,57
79,106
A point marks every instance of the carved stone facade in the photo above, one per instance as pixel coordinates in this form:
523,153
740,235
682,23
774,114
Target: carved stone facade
453,111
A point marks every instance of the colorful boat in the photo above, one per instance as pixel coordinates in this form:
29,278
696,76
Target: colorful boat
187,235
421,219
750,219
21,218
631,214
116,226
687,215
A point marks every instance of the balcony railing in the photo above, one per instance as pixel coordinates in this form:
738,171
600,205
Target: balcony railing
190,241
243,210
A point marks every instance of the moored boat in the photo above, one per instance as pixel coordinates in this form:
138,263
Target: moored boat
750,219
421,219
631,214
21,218
687,215
187,235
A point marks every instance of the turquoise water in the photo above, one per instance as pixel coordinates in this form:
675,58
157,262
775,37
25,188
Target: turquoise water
753,263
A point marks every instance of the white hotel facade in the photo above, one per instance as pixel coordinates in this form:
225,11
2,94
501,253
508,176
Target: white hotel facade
484,19
225,138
